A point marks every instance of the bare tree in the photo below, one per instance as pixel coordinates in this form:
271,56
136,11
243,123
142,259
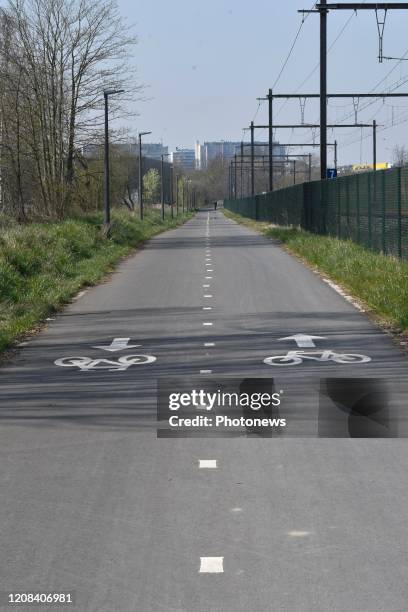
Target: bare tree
61,56
400,155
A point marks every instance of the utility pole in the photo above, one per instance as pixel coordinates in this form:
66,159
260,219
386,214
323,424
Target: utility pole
323,90
335,154
310,167
323,8
374,145
162,186
242,153
270,136
252,160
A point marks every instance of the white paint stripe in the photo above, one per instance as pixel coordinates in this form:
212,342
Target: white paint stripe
208,295
207,464
208,278
206,286
343,294
205,371
207,307
209,343
210,270
207,324
211,565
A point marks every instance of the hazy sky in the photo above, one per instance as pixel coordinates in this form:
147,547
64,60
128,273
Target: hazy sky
206,62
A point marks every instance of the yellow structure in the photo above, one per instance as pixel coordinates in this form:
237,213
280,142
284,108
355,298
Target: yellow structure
365,167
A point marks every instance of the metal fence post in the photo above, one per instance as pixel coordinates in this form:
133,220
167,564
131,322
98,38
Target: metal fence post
399,210
348,206
358,209
369,209
384,248
338,189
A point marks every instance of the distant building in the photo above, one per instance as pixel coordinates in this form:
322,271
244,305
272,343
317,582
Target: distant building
209,151
152,150
184,158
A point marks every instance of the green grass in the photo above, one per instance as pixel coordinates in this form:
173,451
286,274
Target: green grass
379,281
43,265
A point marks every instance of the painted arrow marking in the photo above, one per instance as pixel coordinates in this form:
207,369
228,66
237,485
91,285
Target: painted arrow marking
303,340
118,344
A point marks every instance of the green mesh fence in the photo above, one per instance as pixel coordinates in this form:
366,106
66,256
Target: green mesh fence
369,208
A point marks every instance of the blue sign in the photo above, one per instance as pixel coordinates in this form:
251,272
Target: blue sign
331,173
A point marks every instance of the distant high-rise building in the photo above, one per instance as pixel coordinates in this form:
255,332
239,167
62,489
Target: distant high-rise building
184,158
209,151
152,150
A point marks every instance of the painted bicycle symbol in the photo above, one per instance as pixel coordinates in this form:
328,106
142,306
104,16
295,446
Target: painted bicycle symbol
297,357
86,364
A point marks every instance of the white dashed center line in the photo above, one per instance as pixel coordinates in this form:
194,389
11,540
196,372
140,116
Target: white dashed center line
209,343
205,371
208,295
207,307
207,464
207,324
211,565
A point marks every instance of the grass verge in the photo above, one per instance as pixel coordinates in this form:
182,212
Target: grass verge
380,282
43,265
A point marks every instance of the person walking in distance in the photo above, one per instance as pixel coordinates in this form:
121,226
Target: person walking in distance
215,205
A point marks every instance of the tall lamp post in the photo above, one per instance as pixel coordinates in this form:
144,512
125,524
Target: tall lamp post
141,174
162,181
177,193
106,94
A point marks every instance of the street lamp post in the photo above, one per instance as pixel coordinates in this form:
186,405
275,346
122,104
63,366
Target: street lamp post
162,181
177,193
171,191
141,174
106,94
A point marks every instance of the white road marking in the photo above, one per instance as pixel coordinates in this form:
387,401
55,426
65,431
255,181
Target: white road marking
209,343
207,324
208,295
208,278
205,371
298,534
211,565
207,464
304,340
118,344
237,509
210,270
207,307
87,364
80,294
206,286
343,294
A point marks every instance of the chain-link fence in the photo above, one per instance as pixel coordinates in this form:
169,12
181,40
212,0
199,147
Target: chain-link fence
369,208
